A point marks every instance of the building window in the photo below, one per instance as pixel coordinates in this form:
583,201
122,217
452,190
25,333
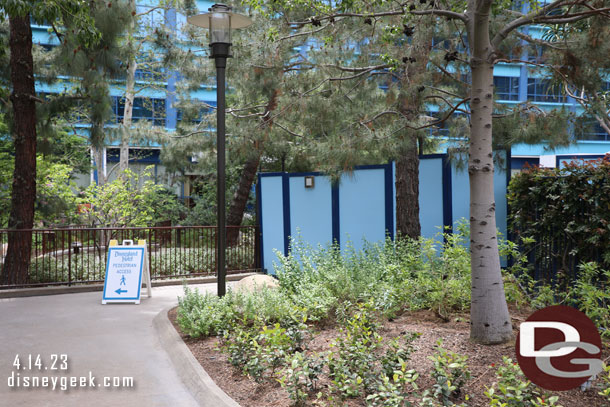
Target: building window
144,75
196,117
541,90
593,131
151,17
149,109
507,87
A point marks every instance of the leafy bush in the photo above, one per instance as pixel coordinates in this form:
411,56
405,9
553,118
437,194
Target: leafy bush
128,201
566,209
350,363
450,374
265,334
590,297
397,275
301,376
90,265
586,293
49,270
180,260
207,314
260,350
513,389
605,382
204,314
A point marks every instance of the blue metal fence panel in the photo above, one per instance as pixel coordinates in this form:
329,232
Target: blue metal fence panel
362,206
430,196
460,195
272,220
362,215
311,210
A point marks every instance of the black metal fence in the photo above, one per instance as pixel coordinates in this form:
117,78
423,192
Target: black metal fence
78,255
553,255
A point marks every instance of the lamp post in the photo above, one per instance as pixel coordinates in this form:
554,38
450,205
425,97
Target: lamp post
220,20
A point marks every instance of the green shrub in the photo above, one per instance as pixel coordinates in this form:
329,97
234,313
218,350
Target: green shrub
605,382
205,314
260,350
50,269
591,297
514,390
567,208
450,374
586,293
396,275
301,375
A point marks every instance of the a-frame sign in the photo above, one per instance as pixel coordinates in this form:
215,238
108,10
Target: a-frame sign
126,267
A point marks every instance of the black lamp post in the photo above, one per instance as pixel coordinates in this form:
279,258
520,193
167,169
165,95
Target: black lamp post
220,20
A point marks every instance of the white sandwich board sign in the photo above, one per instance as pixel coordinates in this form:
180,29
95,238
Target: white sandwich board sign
126,267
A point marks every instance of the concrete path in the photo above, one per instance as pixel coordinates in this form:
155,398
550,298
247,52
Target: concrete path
100,341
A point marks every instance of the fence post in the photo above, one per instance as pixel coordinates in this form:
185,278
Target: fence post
257,246
69,256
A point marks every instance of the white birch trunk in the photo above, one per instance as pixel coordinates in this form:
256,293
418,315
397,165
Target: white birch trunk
98,156
130,81
127,115
489,317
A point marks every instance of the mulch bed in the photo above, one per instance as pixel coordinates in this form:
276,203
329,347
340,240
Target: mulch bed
455,335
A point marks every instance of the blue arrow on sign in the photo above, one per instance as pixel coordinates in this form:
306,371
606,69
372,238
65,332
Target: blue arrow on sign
119,291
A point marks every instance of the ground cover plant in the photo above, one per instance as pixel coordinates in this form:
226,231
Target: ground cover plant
338,330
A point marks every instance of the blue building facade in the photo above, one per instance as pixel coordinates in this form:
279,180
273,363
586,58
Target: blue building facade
514,83
153,105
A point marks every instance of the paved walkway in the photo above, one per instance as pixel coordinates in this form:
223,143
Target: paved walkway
115,340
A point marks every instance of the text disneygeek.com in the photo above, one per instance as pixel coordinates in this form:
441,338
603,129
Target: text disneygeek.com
58,363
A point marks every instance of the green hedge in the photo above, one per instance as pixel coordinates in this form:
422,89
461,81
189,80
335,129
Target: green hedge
561,217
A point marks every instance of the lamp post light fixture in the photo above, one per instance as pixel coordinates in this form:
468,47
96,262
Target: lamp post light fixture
220,20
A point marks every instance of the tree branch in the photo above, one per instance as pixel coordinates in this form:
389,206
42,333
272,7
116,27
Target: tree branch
526,19
288,131
537,41
444,13
339,15
448,103
303,33
150,10
350,69
381,114
449,73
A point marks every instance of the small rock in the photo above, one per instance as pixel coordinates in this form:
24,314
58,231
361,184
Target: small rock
256,282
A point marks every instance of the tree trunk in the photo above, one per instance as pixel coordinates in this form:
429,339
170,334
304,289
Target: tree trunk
127,117
407,163
489,318
407,193
248,173
17,259
240,199
130,82
98,156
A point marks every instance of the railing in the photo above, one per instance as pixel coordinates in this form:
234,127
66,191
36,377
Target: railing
78,256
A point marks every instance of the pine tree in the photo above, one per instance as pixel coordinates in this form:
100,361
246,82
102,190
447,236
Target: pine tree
23,99
255,81
483,27
95,65
578,55
148,48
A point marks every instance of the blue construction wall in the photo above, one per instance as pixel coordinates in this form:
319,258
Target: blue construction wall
361,206
363,215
